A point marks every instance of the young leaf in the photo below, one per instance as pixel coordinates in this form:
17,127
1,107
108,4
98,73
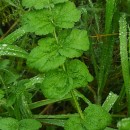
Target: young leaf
8,124
74,123
12,50
56,84
45,56
29,124
73,43
79,72
38,21
40,4
43,21
96,118
124,124
65,15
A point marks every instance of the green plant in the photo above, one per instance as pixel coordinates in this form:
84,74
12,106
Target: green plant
44,60
13,124
124,124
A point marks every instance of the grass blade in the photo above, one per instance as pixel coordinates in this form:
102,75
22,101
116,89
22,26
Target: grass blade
12,50
107,49
13,36
124,57
109,102
110,9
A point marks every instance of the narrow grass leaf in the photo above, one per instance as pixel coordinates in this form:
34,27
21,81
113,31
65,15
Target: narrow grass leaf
110,7
11,38
57,122
109,102
12,50
124,56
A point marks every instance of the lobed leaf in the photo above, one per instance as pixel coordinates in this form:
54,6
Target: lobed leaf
43,21
124,124
96,118
58,83
50,55
65,15
79,72
45,56
38,21
74,123
74,43
40,4
13,124
8,124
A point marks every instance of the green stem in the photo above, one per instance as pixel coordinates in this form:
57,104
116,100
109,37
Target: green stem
77,105
129,44
94,62
55,35
95,15
77,93
93,92
4,86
